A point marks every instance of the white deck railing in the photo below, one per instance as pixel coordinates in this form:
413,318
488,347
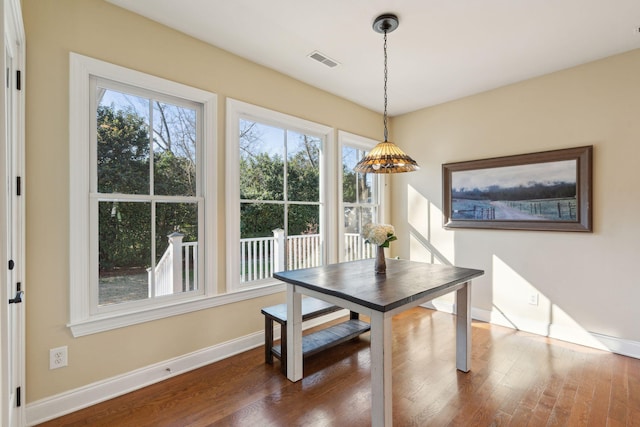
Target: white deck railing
303,251
174,274
256,260
260,257
355,248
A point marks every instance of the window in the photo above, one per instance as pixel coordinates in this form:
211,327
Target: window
140,196
146,194
360,198
277,196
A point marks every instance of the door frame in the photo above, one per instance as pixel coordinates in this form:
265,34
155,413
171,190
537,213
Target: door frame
12,316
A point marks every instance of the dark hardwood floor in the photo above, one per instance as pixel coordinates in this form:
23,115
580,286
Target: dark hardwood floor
516,379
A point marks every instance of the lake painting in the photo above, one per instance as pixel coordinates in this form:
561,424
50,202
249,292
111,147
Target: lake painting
545,191
534,192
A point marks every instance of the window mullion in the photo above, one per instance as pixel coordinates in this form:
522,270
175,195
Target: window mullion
285,197
151,148
358,178
153,250
152,264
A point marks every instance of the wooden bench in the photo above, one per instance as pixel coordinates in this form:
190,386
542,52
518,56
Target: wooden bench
311,343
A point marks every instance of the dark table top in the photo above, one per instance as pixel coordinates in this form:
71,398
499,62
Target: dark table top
356,281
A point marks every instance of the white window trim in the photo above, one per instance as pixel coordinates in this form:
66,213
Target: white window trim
82,321
235,111
362,143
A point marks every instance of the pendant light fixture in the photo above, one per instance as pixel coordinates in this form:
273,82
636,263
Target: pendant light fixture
386,157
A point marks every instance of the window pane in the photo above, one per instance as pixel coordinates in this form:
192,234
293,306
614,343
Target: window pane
353,243
124,251
123,143
367,215
174,150
260,219
303,168
349,161
354,219
176,248
366,188
303,240
303,219
351,219
260,254
261,161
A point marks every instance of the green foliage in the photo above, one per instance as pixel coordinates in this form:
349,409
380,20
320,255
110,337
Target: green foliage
259,219
348,185
123,152
175,216
125,232
304,174
262,177
173,175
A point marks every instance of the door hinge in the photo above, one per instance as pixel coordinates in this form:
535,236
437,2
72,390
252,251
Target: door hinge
11,264
17,299
18,397
18,80
18,186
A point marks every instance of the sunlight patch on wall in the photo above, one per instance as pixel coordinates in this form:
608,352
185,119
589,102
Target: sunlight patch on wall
418,251
567,329
518,304
513,299
429,241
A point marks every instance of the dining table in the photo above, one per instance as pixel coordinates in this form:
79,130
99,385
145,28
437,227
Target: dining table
357,287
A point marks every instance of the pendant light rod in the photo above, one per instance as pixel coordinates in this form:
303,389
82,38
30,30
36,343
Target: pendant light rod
385,24
386,133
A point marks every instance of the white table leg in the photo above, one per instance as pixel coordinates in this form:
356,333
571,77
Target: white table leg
463,328
381,390
294,334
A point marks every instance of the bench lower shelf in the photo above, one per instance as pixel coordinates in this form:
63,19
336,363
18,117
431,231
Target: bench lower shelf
325,338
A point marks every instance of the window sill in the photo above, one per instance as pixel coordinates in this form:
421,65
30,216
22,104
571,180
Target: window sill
122,320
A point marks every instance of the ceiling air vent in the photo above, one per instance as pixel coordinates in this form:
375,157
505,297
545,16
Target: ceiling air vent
323,59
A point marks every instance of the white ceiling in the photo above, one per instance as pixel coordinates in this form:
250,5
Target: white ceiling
442,50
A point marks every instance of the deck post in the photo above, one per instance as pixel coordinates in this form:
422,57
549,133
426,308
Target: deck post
278,250
175,243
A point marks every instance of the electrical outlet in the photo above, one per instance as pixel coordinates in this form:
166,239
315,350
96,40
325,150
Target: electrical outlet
58,357
533,299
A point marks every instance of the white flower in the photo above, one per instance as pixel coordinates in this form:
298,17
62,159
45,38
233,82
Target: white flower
378,234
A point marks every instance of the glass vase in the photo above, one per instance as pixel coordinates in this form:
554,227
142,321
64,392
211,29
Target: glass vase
380,265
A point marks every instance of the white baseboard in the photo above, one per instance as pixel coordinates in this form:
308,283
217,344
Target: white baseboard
618,345
64,403
563,333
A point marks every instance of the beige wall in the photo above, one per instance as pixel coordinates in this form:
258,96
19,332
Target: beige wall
586,281
97,29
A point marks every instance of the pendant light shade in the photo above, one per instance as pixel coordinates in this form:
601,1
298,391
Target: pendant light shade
386,157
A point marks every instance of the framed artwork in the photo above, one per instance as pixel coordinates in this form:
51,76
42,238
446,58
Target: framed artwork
549,191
